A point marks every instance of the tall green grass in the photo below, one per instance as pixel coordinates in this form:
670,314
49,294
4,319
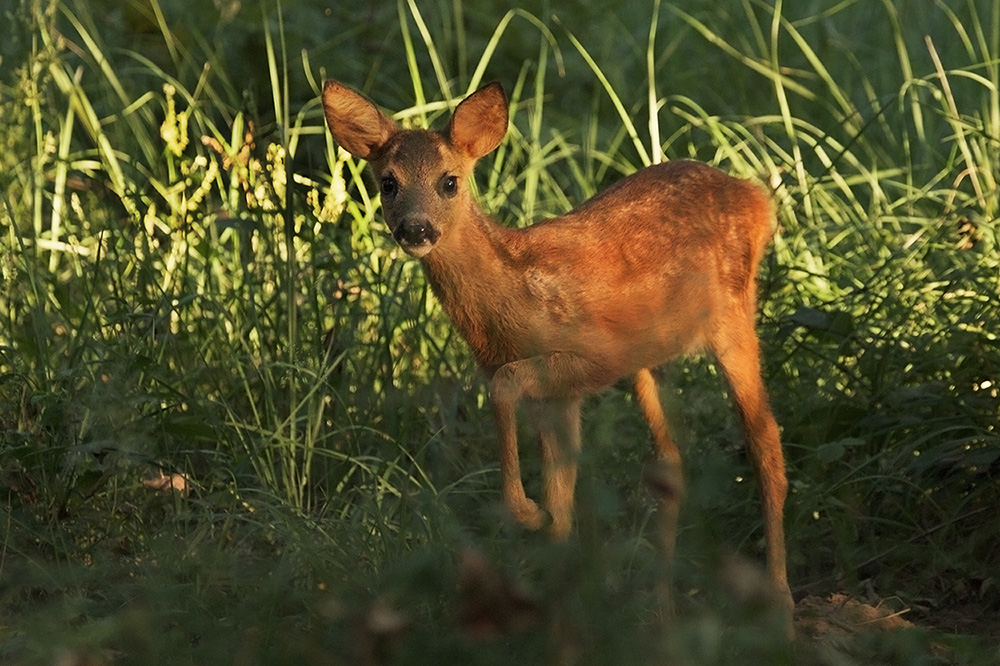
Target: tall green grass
197,282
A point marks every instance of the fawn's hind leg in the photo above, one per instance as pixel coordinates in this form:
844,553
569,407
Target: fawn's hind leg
738,351
665,476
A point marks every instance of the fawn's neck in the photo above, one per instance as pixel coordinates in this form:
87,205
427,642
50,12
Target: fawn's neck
473,276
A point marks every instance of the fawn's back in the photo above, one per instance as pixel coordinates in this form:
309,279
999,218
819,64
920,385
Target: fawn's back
641,273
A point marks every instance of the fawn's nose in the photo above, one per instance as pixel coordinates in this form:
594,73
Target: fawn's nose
414,231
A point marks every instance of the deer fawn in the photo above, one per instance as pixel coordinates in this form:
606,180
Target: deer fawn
659,265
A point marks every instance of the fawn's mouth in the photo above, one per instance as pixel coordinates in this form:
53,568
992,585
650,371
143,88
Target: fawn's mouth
417,251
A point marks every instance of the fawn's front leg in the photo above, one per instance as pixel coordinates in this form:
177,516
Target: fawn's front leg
559,434
524,509
559,379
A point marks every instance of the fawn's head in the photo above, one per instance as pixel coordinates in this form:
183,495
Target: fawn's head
422,175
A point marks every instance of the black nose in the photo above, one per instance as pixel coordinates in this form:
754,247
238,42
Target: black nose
415,231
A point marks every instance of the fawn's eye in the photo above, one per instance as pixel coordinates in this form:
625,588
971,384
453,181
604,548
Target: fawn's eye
389,186
450,186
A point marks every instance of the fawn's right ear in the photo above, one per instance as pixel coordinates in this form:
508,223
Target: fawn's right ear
355,123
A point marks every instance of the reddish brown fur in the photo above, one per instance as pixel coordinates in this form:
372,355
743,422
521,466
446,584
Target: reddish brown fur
659,265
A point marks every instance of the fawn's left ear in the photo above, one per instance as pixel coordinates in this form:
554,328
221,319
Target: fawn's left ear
355,123
480,121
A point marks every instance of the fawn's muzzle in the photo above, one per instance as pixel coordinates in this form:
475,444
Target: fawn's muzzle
415,232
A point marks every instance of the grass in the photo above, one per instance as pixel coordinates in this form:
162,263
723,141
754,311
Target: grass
196,282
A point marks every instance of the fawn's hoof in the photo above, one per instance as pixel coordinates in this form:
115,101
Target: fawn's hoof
527,513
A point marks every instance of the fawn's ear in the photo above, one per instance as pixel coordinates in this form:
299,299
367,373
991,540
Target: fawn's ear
480,121
355,123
